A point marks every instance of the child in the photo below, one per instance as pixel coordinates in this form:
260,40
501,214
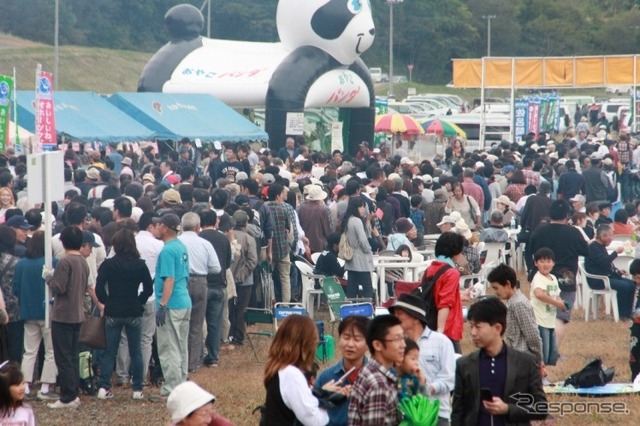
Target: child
12,409
417,214
411,381
545,299
634,356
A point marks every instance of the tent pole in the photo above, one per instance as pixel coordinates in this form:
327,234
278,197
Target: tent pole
483,106
512,127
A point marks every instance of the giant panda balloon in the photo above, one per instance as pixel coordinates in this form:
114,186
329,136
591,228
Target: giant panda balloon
316,64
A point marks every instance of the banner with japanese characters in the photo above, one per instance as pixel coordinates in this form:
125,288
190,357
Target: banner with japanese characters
521,118
6,93
45,116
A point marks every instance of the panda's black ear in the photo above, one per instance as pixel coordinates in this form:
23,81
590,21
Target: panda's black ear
331,19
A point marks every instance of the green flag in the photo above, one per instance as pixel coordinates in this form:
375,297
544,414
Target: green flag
6,93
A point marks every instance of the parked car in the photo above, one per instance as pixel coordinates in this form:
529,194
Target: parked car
400,79
384,78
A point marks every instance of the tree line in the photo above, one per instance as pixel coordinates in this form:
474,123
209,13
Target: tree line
427,33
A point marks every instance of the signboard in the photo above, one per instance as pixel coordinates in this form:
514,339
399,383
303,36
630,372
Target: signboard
6,93
295,123
382,106
337,142
410,67
45,117
54,173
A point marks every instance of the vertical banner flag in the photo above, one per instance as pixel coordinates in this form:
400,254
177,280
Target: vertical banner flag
6,91
534,117
521,120
45,117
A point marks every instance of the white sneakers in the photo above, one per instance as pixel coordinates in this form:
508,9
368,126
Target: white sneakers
137,395
59,404
105,394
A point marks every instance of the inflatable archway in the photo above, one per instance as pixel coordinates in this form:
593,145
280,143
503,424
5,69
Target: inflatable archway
316,64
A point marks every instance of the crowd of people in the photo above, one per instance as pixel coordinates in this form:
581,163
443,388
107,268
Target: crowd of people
161,244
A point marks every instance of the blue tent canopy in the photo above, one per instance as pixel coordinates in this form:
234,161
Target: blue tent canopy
174,116
84,117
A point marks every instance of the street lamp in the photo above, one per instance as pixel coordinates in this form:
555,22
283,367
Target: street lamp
391,3
489,18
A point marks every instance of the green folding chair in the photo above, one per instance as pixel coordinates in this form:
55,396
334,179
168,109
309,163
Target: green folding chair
336,299
254,316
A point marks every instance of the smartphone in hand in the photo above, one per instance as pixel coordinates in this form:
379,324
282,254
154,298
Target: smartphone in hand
486,395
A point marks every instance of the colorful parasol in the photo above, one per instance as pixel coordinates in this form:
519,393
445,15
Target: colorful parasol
436,126
398,123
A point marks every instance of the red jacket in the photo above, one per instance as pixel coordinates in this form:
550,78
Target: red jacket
447,295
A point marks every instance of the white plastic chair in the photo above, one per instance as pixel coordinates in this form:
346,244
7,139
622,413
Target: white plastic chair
591,296
308,285
495,253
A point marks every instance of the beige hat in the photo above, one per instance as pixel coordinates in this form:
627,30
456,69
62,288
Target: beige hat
171,196
149,178
407,161
463,229
186,398
126,161
503,199
315,193
427,179
455,216
93,173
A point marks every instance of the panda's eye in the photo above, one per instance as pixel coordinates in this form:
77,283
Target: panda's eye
354,6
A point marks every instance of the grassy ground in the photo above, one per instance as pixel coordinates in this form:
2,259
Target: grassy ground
237,383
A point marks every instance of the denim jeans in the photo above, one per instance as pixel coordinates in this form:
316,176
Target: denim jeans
113,329
216,298
64,337
549,345
148,329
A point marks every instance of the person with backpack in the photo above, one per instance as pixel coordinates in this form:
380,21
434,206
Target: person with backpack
444,306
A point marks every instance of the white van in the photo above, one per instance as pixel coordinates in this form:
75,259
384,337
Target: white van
376,74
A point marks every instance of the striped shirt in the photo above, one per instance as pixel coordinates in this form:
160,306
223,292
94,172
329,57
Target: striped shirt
522,329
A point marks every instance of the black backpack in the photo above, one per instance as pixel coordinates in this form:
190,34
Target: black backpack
425,292
591,375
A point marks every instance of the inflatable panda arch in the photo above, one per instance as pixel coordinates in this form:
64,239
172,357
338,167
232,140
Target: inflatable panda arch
316,64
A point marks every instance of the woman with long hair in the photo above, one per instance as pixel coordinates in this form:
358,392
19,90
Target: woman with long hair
123,308
28,286
291,355
359,267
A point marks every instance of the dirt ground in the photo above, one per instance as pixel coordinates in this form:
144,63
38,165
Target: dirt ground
237,383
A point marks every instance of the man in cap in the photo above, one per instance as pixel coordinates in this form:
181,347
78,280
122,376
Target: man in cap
570,183
437,360
578,203
446,224
173,304
202,261
22,228
190,405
